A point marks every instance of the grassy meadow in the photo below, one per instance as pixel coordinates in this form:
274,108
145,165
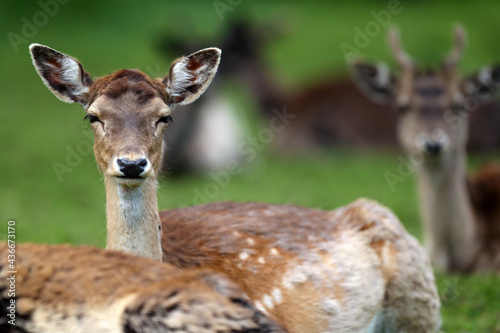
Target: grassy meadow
37,130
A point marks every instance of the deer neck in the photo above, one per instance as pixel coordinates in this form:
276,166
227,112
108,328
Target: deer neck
132,219
446,212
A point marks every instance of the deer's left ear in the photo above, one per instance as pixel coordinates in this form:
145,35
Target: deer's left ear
62,74
484,84
375,80
190,76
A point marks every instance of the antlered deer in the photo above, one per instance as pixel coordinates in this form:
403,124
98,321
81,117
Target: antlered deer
61,289
352,269
460,217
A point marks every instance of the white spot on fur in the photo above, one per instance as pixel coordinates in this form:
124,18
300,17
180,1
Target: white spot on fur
276,293
332,306
250,241
291,280
273,251
268,302
261,260
236,233
244,255
260,307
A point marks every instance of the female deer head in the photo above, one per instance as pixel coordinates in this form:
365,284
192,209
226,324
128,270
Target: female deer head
129,113
128,110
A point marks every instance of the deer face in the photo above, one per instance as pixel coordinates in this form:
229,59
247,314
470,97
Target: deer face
432,105
129,115
127,110
430,121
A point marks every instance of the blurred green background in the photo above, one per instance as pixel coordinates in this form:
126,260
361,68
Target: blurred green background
36,129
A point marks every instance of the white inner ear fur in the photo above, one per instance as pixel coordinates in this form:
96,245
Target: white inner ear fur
484,75
382,78
183,78
70,73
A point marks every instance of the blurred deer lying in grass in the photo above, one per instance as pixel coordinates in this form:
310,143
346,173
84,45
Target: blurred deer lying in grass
328,113
460,214
348,270
61,289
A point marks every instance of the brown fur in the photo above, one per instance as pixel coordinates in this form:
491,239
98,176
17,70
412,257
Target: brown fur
215,235
311,270
484,191
59,286
127,80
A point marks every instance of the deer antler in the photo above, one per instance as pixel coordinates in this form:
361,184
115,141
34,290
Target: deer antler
450,62
407,66
399,53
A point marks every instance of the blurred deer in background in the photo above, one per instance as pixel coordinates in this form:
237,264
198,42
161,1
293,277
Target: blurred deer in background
323,109
61,289
349,270
460,214
329,112
207,134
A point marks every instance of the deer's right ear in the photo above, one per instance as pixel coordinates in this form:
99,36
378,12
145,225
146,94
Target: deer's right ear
375,80
62,74
190,76
484,84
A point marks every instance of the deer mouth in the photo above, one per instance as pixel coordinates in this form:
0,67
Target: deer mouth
130,181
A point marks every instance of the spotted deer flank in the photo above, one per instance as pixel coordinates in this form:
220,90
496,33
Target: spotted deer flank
61,289
354,269
460,213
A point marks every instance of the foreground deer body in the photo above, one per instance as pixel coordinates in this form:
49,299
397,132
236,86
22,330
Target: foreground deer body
60,288
433,123
348,270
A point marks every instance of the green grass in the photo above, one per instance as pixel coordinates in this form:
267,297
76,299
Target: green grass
36,129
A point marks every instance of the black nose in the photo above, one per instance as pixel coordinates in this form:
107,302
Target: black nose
433,148
132,169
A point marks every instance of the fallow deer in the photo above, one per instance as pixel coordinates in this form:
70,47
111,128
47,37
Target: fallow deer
433,108
348,270
207,134
328,112
61,289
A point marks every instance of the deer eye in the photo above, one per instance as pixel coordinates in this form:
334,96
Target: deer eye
165,119
91,118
